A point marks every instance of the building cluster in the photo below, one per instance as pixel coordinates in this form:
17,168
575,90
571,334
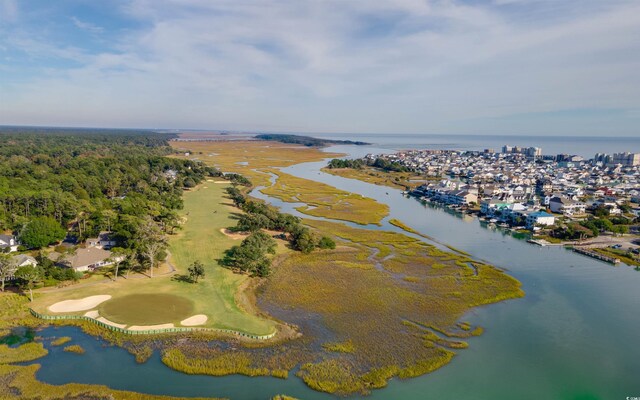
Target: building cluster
522,187
95,254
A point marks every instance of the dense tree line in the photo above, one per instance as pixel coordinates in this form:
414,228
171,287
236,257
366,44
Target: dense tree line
346,163
305,140
389,166
380,163
92,181
251,256
57,183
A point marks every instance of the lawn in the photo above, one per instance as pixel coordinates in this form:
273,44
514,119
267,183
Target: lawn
206,212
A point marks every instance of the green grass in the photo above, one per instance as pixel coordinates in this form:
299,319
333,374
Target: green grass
201,240
147,309
207,211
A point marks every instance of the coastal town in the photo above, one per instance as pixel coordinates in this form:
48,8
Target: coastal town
561,199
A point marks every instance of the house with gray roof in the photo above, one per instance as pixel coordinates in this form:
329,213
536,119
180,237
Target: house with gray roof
8,243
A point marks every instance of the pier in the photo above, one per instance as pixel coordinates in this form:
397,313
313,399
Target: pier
598,256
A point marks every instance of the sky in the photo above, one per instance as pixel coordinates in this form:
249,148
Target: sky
506,67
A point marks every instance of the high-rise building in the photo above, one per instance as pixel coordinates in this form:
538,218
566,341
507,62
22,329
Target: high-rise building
534,152
626,159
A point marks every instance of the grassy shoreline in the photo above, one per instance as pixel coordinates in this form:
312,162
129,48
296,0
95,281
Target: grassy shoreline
326,201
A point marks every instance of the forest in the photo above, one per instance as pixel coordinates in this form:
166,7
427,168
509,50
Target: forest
90,181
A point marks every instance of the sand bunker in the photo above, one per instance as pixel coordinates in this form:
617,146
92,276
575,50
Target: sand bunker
92,314
106,321
233,235
149,327
196,320
79,305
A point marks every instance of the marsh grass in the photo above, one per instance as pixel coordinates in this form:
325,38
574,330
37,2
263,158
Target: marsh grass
326,201
250,157
60,341
340,347
19,382
74,348
209,361
26,352
396,180
369,306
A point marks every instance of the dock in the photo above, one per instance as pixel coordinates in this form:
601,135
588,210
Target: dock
598,256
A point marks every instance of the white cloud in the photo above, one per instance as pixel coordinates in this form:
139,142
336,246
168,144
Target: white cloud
384,65
86,26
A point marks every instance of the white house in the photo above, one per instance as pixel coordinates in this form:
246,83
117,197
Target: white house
540,218
567,206
8,243
22,259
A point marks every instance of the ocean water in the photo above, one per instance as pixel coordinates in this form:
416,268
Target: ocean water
585,146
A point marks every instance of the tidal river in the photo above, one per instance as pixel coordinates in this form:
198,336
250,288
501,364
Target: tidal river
573,336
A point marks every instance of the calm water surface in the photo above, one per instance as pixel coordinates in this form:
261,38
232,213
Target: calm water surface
574,335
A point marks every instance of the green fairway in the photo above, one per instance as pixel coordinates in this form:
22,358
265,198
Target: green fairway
207,210
147,309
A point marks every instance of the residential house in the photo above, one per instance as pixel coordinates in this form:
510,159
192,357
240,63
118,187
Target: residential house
566,206
86,259
540,218
21,260
103,241
8,243
462,197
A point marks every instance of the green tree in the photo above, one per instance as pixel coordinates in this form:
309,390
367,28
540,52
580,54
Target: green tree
29,276
7,268
252,222
326,242
303,240
196,270
41,232
251,256
260,242
620,229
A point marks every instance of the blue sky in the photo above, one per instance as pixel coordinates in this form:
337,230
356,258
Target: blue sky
550,67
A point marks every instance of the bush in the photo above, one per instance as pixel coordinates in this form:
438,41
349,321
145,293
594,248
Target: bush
326,243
